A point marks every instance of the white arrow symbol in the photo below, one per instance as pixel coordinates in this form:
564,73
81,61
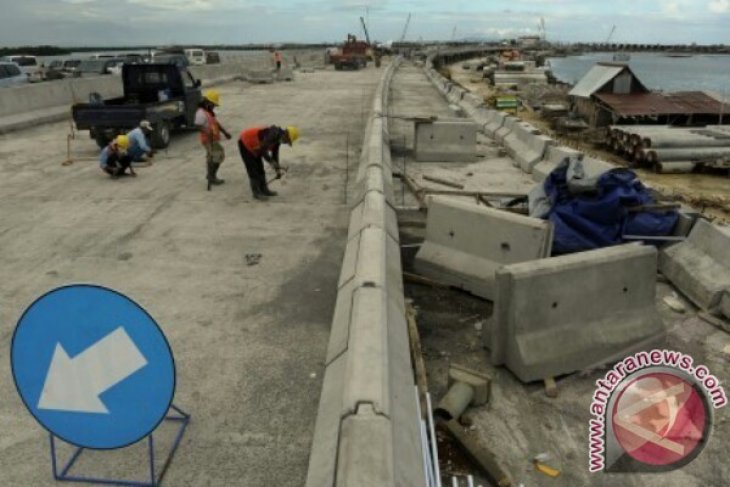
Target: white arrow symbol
75,384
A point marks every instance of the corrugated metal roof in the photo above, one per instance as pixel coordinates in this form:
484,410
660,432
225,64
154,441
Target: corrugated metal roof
599,75
652,104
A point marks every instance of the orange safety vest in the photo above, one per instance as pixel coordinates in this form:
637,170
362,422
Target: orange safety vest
250,139
213,133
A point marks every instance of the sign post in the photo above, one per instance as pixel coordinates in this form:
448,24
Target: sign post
95,370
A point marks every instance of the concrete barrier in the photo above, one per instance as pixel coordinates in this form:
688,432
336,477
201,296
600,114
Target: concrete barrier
563,314
495,121
509,124
554,155
442,140
725,304
466,244
526,145
700,266
367,430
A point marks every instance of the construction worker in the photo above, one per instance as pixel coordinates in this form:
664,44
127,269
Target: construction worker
139,148
276,56
258,143
114,159
210,135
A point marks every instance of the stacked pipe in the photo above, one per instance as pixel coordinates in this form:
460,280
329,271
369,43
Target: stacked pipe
671,149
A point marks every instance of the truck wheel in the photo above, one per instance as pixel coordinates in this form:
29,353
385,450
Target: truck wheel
161,136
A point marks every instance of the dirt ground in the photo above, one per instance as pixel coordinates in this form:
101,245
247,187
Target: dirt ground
707,192
520,421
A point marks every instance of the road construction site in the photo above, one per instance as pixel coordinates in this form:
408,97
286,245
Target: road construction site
314,333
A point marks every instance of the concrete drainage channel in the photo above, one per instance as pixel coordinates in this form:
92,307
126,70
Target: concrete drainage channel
367,430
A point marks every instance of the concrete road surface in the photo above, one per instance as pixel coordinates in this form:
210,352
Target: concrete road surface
249,341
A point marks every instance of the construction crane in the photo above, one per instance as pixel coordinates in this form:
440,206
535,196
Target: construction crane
405,28
543,34
365,29
610,34
453,33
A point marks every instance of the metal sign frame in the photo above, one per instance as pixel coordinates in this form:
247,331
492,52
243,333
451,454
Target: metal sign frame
64,475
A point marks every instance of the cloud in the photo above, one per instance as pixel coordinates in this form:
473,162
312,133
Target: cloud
719,6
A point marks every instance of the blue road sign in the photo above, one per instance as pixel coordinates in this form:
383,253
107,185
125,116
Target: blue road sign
92,367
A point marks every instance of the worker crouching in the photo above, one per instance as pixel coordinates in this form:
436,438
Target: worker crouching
210,135
258,143
114,159
139,146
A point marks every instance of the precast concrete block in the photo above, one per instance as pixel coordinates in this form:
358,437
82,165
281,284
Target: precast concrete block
700,266
375,179
725,303
260,76
562,314
554,155
481,116
687,217
457,110
373,211
366,450
284,74
508,126
372,366
494,123
526,145
452,140
455,94
466,244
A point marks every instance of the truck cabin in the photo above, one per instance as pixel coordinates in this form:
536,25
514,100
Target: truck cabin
150,83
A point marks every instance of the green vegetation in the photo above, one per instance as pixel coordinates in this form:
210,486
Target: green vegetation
34,50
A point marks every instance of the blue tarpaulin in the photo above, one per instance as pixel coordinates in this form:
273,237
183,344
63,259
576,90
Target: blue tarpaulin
600,218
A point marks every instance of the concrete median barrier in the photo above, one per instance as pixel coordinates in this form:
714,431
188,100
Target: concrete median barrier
495,121
526,145
509,124
466,244
700,266
451,140
563,314
367,430
554,155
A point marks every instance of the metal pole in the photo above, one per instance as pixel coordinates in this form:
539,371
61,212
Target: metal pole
403,184
434,445
347,163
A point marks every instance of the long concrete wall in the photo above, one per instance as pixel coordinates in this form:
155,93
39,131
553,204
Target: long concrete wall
28,105
367,431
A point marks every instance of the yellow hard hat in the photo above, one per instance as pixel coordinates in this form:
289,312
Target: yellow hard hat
122,142
293,133
213,96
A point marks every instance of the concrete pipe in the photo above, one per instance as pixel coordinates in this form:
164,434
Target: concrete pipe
691,153
455,402
674,167
661,141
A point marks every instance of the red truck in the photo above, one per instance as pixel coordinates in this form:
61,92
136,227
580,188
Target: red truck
352,55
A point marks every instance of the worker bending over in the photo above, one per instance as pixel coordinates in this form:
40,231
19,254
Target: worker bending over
114,159
210,135
139,147
258,143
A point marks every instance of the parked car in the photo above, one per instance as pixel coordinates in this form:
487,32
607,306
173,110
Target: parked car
70,65
212,57
28,64
11,75
91,67
195,56
162,93
180,60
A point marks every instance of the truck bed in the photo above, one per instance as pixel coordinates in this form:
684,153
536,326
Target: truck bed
120,113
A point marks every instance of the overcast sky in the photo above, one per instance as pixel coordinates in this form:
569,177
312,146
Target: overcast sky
149,22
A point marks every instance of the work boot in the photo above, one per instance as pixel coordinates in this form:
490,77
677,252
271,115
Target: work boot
214,172
265,188
257,194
